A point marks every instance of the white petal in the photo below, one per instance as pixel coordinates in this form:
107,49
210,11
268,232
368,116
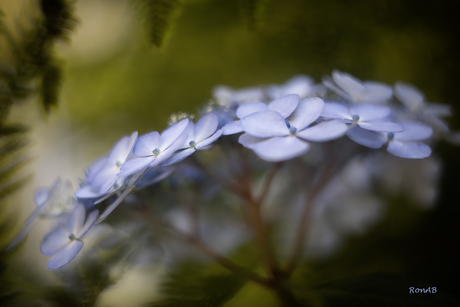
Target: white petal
179,156
248,140
232,128
135,165
307,112
265,124
280,148
209,140
413,132
348,83
76,219
172,133
65,255
146,144
285,105
367,138
409,95
87,191
54,241
92,217
381,126
336,111
250,107
376,92
409,150
368,112
324,131
122,148
205,127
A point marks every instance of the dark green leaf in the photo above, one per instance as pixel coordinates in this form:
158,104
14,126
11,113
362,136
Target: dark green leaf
254,12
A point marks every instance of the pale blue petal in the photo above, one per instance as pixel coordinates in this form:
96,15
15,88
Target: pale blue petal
232,128
438,109
307,112
409,95
367,138
348,83
135,165
122,148
172,133
106,174
381,126
109,184
165,155
41,196
95,167
413,132
265,124
146,144
368,112
250,107
376,92
410,150
209,140
34,214
76,219
90,219
179,156
280,148
54,241
87,191
324,131
285,105
328,82
65,255
336,111
205,127
248,140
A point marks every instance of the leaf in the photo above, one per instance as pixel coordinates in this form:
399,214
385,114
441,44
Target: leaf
59,18
381,289
193,284
157,18
50,83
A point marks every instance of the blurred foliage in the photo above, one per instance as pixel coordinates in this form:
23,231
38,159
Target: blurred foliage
157,17
27,58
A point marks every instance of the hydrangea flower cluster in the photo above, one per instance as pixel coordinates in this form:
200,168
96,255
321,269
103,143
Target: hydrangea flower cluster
277,122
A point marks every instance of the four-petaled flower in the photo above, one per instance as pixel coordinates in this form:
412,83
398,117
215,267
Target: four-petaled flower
274,138
195,137
401,144
101,176
65,241
355,91
152,148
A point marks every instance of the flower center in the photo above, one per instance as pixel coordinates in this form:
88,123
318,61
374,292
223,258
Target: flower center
192,144
118,164
72,237
390,135
355,117
292,130
156,151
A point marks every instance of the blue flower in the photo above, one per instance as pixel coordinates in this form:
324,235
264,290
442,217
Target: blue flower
274,138
356,91
101,177
366,116
195,137
401,144
65,241
152,148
